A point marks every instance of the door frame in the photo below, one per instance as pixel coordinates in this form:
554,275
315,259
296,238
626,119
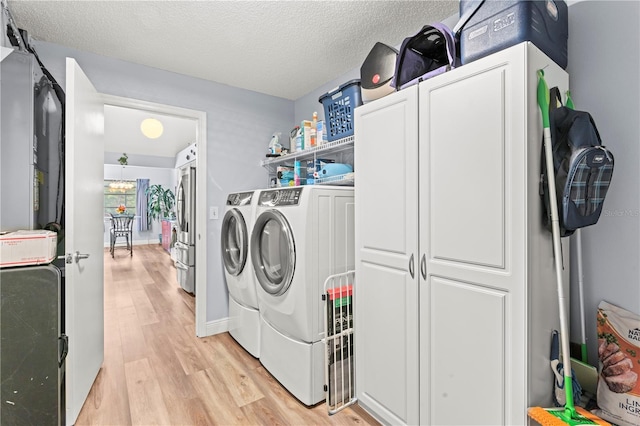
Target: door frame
201,192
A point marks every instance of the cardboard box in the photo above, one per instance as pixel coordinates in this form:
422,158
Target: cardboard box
22,248
305,126
321,133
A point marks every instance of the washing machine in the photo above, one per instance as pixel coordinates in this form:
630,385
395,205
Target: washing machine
244,321
300,236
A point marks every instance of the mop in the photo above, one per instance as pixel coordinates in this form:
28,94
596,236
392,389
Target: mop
569,414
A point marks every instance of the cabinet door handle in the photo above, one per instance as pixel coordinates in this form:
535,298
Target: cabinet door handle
411,268
423,267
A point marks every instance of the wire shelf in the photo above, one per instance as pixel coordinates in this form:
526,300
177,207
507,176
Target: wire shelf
347,179
335,146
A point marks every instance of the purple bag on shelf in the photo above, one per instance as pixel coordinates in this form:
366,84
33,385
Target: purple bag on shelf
430,52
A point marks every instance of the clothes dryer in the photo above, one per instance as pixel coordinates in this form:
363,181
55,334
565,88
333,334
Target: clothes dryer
244,321
301,235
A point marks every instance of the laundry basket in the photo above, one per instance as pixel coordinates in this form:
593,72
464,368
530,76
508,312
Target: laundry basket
339,109
339,358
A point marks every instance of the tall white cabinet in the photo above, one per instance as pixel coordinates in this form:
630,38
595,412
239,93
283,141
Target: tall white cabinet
455,298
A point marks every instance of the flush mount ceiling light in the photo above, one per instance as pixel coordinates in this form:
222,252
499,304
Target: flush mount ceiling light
151,128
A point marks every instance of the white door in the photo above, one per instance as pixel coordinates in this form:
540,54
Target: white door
84,298
386,311
468,159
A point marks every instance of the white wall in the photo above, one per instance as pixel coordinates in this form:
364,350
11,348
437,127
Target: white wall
167,177
137,159
239,127
604,65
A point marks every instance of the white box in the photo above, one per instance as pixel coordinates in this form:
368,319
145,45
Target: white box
21,248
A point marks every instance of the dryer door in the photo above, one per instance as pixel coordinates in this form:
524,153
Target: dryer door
273,252
235,242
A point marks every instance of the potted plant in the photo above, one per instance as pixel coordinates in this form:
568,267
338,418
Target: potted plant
160,203
124,160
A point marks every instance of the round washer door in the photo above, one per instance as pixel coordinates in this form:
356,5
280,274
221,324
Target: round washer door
273,252
235,242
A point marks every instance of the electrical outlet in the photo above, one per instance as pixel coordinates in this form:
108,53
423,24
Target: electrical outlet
213,212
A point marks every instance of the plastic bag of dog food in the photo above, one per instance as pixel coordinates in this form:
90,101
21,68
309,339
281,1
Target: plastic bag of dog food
619,365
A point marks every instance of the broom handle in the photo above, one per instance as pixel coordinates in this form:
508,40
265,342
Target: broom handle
583,324
557,250
583,334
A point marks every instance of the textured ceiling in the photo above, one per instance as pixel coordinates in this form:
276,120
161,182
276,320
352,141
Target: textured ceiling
280,48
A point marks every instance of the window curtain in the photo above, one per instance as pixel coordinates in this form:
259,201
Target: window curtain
142,205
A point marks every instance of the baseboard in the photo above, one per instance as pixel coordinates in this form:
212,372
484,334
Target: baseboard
217,326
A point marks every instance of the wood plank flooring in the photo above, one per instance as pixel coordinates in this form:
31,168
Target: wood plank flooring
157,372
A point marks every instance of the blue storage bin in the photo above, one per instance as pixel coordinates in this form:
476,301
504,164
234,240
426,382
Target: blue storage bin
339,106
501,24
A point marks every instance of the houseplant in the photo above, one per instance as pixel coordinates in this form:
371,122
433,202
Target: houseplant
160,203
124,160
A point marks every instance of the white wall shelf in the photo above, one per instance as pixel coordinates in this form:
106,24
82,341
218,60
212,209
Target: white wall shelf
307,154
340,150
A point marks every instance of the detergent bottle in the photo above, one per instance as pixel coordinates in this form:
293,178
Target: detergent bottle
314,127
274,144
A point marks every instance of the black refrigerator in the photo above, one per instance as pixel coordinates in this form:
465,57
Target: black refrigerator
33,346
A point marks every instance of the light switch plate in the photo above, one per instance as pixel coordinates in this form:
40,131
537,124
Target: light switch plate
213,212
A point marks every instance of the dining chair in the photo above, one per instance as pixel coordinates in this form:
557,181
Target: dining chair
121,226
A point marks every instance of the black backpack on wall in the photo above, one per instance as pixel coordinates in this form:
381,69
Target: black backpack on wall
583,168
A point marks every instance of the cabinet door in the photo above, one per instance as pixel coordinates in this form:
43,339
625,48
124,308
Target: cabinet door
472,224
386,293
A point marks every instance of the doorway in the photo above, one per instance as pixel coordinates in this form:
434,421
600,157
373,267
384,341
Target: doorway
199,117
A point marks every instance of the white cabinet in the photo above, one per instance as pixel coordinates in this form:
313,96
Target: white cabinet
456,297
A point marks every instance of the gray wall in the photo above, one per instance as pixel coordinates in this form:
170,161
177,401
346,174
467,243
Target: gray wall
306,105
239,126
604,65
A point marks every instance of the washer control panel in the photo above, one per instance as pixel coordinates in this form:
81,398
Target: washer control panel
280,197
239,199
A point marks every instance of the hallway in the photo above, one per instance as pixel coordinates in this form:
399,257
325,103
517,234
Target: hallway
156,371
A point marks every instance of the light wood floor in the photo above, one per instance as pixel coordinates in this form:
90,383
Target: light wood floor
156,371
